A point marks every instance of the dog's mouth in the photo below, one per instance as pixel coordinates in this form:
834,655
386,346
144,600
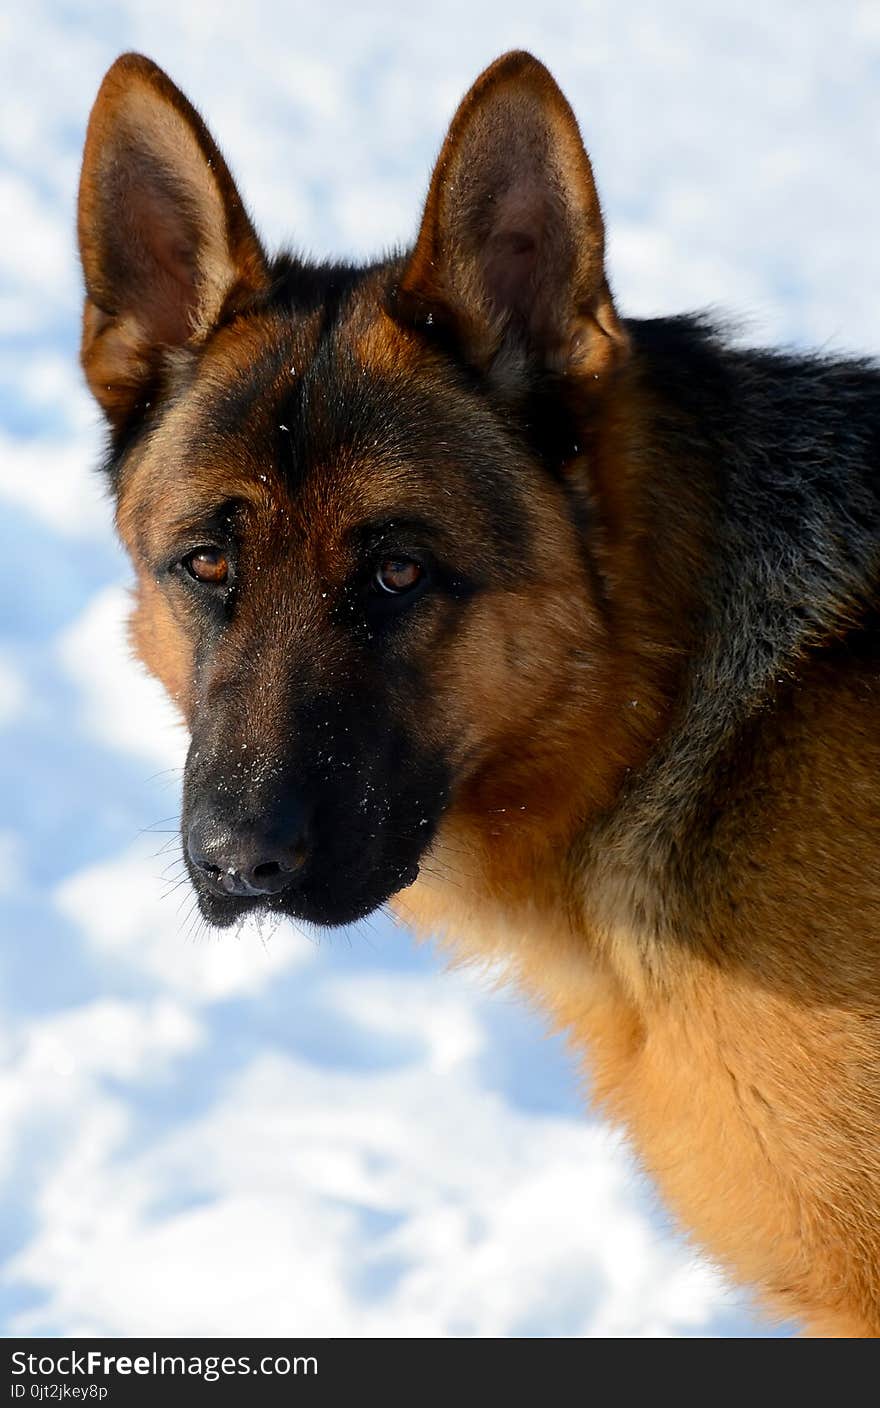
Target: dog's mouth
321,903
312,853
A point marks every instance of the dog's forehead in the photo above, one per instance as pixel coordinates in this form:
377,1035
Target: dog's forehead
333,424
333,378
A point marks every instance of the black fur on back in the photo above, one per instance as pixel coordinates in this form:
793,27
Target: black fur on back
792,443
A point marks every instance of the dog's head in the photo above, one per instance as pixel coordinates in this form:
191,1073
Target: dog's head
353,497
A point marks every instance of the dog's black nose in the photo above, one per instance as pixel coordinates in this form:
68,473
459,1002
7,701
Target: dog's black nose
254,860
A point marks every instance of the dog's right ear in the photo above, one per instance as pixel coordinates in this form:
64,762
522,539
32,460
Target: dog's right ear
166,245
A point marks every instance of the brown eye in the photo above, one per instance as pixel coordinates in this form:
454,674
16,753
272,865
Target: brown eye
398,574
208,565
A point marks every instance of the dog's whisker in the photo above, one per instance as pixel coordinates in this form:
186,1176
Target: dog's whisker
157,826
164,849
165,772
171,886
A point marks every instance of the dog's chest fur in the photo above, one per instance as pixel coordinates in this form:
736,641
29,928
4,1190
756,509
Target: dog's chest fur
749,1084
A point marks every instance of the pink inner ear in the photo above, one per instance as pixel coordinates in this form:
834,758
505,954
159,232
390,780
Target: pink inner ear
168,275
509,261
523,259
512,245
171,251
148,239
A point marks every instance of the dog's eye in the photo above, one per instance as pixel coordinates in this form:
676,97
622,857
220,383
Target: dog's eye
209,565
398,574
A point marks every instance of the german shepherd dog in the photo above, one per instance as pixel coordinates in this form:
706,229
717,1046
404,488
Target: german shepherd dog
443,561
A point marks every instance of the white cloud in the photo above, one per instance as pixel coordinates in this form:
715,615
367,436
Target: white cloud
50,384
12,691
12,862
447,1028
42,260
411,1202
128,912
56,481
52,1067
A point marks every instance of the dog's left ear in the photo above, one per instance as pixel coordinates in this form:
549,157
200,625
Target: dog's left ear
510,256
166,244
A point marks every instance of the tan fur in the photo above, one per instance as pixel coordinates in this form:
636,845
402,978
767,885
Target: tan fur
745,1062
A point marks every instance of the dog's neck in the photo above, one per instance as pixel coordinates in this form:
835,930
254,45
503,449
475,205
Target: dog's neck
726,564
789,537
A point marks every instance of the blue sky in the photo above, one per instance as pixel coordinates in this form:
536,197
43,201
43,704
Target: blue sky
258,1134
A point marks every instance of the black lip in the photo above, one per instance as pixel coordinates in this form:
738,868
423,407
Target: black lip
324,911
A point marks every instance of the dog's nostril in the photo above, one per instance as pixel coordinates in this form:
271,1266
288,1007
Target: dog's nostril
201,861
247,863
267,870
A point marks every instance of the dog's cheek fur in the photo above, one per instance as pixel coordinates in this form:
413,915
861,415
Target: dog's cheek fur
160,642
